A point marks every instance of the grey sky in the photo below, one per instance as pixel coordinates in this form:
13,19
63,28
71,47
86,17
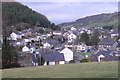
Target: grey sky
60,12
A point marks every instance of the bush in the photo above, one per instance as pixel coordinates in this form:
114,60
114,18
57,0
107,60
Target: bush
84,60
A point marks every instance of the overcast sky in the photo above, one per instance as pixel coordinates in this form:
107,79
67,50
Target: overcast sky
60,12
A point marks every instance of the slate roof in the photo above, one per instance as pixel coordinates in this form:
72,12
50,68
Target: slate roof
53,42
107,54
106,42
78,56
118,44
53,57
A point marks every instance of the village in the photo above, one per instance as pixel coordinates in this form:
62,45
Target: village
55,47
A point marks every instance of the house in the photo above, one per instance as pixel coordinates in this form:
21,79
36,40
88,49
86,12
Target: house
1,38
69,44
35,57
57,33
53,58
118,47
32,48
72,37
73,29
114,34
103,56
25,49
81,47
47,45
53,42
78,57
107,45
68,54
14,36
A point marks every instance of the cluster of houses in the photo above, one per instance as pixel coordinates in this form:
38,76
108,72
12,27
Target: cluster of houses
62,47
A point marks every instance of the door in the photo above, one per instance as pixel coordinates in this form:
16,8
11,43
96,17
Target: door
56,62
102,59
47,63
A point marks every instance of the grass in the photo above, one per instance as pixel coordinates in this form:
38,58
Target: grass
82,70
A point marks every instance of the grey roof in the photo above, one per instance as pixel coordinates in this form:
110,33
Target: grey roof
78,56
53,42
106,42
115,32
53,57
118,44
107,55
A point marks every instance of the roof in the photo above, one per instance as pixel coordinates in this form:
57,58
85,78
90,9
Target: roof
53,42
115,32
53,57
118,44
78,56
107,54
106,42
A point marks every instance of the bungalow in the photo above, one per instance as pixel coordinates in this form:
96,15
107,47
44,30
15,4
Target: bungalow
68,54
103,56
107,45
53,59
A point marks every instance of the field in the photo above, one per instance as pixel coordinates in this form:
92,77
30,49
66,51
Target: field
82,70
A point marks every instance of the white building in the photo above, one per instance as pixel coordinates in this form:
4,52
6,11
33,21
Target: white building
46,45
14,36
25,49
73,29
68,54
72,37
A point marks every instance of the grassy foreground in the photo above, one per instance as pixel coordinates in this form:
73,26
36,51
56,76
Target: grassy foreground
82,70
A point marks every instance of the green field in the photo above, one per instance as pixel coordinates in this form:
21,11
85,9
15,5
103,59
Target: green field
82,70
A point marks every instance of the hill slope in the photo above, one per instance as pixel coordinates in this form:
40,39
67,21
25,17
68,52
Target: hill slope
14,13
83,70
95,20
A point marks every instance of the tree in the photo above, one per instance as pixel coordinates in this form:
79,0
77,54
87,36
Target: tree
95,37
85,38
9,55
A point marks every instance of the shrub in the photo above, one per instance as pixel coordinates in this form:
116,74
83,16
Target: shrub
84,60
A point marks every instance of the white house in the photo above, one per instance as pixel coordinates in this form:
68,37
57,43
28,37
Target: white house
53,59
32,49
46,45
57,33
73,29
13,36
81,47
72,37
100,57
68,54
114,34
25,49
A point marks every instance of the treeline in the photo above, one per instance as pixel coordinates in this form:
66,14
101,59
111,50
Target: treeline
16,13
9,55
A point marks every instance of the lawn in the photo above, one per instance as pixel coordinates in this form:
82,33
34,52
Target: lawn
82,70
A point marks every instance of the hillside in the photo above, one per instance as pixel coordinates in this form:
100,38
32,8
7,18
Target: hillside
22,17
94,20
82,70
